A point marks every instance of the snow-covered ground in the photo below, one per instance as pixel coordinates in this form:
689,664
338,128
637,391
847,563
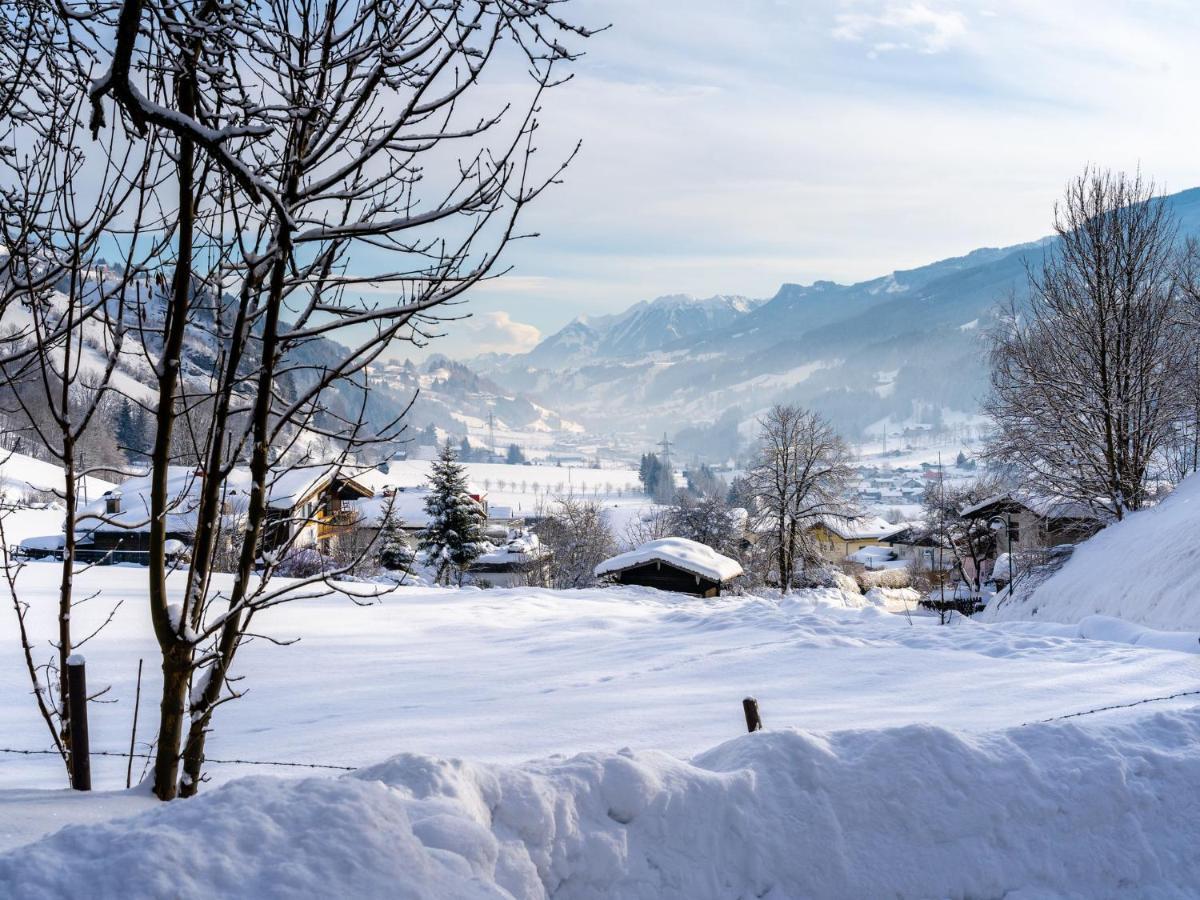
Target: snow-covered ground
896,753
914,811
21,475
1145,569
530,489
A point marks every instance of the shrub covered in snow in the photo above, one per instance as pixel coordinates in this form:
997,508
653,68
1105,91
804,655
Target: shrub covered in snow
883,578
304,562
822,574
893,599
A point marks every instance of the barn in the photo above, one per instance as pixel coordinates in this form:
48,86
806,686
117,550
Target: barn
672,564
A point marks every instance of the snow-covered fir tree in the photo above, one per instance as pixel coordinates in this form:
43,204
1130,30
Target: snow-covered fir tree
455,534
394,551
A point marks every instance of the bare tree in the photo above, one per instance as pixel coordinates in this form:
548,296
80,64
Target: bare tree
67,308
971,541
1085,375
707,520
578,538
1182,451
305,139
801,473
650,524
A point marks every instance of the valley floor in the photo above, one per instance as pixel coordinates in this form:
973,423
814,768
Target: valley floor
897,757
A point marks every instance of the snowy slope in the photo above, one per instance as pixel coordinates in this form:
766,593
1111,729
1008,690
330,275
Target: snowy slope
1145,569
1045,811
21,475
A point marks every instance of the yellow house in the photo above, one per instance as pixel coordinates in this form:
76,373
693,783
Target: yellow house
838,538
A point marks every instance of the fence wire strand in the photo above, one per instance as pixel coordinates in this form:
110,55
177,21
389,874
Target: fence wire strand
207,759
1100,709
307,765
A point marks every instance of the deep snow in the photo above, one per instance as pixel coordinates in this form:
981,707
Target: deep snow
937,790
915,811
509,675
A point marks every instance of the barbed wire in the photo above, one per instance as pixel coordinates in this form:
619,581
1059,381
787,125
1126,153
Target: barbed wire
306,765
207,759
1100,709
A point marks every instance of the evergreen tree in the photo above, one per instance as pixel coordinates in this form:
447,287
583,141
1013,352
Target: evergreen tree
394,552
515,457
704,482
656,481
455,534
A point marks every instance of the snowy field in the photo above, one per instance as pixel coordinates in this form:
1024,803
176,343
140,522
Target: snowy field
530,489
882,730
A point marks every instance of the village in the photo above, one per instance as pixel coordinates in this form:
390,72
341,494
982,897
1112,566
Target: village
323,516
577,450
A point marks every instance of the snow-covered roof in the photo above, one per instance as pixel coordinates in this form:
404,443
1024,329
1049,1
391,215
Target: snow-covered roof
860,528
408,505
1045,507
183,492
872,555
289,486
286,488
681,553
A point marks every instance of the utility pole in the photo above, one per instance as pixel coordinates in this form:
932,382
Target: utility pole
491,433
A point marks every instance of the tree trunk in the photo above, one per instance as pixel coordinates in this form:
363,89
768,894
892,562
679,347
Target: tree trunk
177,655
177,670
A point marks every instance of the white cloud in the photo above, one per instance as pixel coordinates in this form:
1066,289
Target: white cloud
728,147
498,332
895,26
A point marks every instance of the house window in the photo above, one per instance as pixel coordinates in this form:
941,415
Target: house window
1014,532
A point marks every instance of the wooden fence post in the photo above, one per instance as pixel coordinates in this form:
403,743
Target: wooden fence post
81,763
750,708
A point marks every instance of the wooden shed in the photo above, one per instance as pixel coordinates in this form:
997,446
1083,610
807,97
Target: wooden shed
672,564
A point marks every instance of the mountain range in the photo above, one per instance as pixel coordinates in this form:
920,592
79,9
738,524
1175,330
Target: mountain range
903,348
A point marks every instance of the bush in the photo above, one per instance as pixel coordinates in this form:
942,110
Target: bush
825,575
883,578
304,562
844,582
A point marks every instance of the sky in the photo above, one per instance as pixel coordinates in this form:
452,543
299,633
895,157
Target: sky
730,146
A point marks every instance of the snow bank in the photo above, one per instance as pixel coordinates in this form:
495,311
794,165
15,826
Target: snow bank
814,599
1096,810
690,556
893,599
1118,631
1144,569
